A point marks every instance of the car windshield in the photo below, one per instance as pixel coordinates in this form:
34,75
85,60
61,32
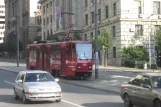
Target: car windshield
156,81
84,51
38,77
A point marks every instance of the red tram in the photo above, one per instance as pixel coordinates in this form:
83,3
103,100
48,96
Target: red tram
67,59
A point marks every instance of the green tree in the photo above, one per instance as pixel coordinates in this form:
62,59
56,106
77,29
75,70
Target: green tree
77,36
53,37
3,47
104,40
38,38
135,53
158,38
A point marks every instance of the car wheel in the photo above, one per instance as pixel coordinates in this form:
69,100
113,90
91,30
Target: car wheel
157,103
58,100
15,95
127,101
24,100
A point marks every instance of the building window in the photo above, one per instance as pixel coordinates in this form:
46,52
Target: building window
50,18
38,6
51,4
2,6
47,6
44,22
43,9
156,7
138,30
51,32
47,20
156,28
92,17
48,33
114,52
114,9
92,1
114,31
106,12
139,7
44,35
99,14
1,11
86,19
85,37
99,32
86,3
91,35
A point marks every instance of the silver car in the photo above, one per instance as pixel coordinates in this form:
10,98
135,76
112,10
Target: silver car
143,90
37,86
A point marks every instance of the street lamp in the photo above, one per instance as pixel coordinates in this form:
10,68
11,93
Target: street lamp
150,40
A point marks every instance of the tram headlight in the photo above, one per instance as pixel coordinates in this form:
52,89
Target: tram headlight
90,67
79,67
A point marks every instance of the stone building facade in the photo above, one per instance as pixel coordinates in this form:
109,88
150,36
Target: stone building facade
131,22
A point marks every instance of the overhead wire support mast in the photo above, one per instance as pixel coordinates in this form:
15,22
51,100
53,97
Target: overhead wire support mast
18,27
70,27
96,41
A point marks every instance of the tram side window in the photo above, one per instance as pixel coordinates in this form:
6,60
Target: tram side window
73,51
30,52
56,51
34,52
68,51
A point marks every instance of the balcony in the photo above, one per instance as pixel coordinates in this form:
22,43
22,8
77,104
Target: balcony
41,1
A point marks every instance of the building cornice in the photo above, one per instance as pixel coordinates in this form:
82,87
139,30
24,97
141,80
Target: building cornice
139,19
41,1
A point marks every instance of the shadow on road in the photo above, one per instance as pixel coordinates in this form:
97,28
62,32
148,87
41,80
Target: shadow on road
9,99
104,104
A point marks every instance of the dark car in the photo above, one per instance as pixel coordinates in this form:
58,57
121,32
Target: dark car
143,90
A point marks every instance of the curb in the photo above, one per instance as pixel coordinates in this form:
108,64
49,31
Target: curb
67,82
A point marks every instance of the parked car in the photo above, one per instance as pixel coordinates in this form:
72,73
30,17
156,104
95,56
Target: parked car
143,90
37,86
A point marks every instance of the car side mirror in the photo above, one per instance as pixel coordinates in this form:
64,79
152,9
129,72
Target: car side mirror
56,79
20,81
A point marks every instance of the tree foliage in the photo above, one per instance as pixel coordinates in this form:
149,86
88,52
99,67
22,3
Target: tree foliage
10,46
76,36
158,39
53,37
135,53
104,40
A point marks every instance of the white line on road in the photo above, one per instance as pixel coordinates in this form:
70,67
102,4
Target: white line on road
9,82
72,103
62,100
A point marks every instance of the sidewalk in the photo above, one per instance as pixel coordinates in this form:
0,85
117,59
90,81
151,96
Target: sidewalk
101,68
108,79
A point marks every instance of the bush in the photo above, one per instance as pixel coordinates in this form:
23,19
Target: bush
129,63
153,66
139,65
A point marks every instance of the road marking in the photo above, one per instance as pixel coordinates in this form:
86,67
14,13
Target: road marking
72,103
62,100
9,82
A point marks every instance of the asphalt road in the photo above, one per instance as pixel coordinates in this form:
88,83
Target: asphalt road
73,96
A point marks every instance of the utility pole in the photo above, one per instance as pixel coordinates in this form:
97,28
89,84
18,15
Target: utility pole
18,27
150,30
96,40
